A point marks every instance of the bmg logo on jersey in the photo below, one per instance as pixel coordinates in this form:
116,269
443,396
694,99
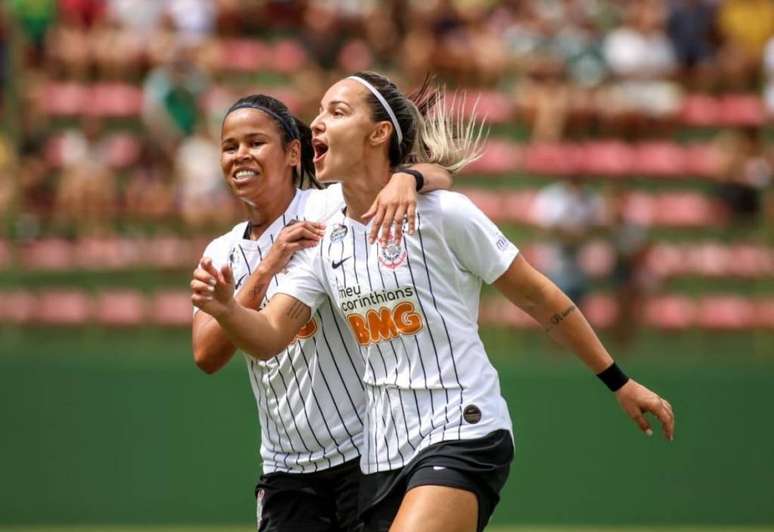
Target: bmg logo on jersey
382,315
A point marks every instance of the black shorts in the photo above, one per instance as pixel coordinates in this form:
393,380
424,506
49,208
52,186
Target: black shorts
324,501
480,466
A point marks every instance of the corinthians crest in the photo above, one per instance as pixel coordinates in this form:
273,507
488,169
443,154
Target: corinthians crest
392,255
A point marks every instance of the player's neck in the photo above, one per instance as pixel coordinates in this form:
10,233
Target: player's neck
362,187
261,214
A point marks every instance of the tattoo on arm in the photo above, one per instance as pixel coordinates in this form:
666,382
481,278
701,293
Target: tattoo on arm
557,318
296,310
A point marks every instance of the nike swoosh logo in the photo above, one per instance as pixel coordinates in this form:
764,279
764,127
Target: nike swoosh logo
336,263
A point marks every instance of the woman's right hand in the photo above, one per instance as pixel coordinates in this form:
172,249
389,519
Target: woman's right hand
293,237
212,290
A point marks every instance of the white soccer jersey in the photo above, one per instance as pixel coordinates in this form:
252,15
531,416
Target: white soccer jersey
413,308
310,397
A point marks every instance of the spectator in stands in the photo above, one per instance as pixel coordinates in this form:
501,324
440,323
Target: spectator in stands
118,54
194,20
204,199
34,17
87,196
641,57
692,30
8,177
150,190
746,174
170,98
322,36
630,277
768,76
570,213
68,48
746,25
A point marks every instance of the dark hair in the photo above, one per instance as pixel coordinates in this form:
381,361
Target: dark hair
433,132
292,129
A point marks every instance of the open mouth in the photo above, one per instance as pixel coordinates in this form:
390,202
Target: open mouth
320,149
243,175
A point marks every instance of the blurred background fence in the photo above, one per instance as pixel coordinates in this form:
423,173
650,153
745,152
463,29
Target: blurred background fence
630,157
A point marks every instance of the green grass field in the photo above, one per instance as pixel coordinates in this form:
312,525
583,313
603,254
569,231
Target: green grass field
118,426
247,528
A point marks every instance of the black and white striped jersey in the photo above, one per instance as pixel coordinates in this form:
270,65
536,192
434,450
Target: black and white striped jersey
311,403
412,306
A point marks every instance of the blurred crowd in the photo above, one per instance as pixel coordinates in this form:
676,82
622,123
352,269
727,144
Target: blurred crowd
112,108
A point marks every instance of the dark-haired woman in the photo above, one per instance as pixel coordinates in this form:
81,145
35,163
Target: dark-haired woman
310,396
438,442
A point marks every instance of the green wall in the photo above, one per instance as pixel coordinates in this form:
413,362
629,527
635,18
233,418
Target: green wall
102,426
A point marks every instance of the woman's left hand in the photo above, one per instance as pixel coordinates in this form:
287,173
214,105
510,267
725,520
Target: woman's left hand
636,399
395,205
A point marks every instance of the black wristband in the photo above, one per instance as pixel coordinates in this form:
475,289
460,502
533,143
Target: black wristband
613,377
417,175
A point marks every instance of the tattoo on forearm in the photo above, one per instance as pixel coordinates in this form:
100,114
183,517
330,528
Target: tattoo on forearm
296,310
557,318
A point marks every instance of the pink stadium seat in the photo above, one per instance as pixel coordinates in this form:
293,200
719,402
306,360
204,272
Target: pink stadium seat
63,98
660,159
640,208
489,201
18,306
700,110
123,150
500,157
708,259
171,308
666,260
601,310
47,254
670,312
517,206
495,107
725,313
63,307
288,56
748,260
120,308
607,158
551,159
170,252
764,313
702,161
741,110
114,100
243,55
104,253
597,258
685,209
5,255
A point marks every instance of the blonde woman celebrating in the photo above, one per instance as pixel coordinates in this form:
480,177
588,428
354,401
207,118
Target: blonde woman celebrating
437,432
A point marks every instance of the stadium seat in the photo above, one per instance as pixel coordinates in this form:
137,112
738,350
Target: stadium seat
516,207
726,312
172,308
288,56
670,312
738,110
492,106
700,110
170,252
550,159
750,261
120,308
764,314
5,255
600,309
499,157
114,100
17,306
597,258
63,98
489,201
659,159
47,254
123,150
685,209
702,161
606,158
63,307
242,55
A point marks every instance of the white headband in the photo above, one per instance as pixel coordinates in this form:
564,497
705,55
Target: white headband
384,103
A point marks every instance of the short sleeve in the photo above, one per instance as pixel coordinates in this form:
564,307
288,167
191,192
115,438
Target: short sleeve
304,279
479,245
